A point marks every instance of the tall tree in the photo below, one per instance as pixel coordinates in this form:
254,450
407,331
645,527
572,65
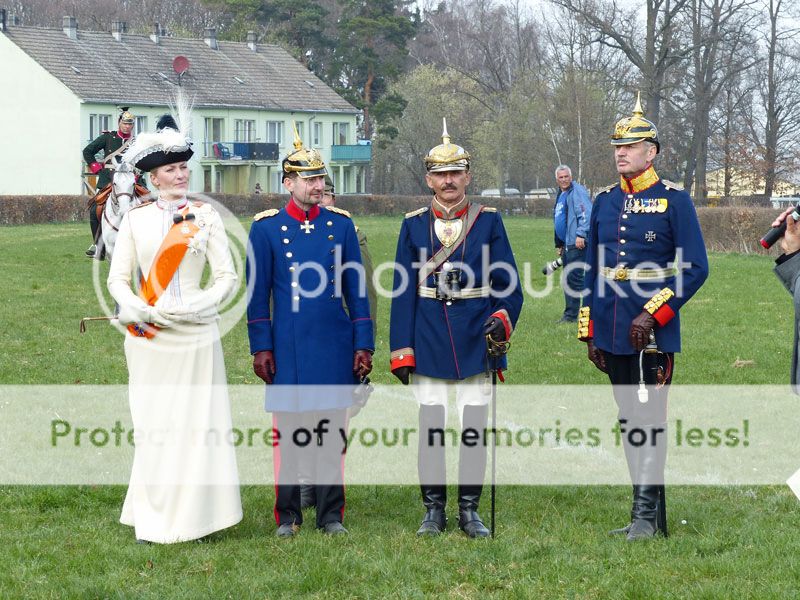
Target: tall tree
371,50
653,51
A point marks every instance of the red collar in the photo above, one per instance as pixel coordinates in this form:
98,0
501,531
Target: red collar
296,212
459,209
122,135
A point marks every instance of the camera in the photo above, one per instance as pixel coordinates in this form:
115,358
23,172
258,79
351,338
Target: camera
553,266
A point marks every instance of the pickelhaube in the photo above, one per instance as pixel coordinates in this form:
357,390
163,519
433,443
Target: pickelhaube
126,116
633,129
306,162
447,156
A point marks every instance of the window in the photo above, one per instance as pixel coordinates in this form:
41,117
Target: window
341,134
276,182
214,132
244,130
98,124
140,126
275,132
300,127
317,141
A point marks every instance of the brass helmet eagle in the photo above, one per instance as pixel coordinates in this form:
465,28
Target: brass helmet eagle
306,162
447,156
633,129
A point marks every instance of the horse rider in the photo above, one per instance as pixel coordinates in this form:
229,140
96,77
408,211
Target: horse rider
109,142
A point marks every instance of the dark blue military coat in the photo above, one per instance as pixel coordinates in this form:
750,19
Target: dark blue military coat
311,334
648,224
441,341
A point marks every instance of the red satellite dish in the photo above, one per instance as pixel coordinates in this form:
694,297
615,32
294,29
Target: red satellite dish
180,64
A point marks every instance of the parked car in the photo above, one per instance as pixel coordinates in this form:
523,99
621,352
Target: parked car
507,192
541,193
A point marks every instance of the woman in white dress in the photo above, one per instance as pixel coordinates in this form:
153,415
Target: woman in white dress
184,483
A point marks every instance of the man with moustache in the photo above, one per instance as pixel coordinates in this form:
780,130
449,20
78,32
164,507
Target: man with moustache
646,259
456,284
303,257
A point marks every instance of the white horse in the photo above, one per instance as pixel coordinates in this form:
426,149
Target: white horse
122,198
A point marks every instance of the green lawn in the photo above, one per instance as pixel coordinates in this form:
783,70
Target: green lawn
66,541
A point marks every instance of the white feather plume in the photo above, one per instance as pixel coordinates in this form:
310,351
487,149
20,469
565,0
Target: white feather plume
168,139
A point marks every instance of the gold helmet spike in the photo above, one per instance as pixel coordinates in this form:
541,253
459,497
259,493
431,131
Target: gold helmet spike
298,143
306,162
445,135
637,110
447,156
634,129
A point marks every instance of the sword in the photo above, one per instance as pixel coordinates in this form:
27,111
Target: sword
495,350
85,319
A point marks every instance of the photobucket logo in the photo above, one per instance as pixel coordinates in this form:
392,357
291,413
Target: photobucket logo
226,314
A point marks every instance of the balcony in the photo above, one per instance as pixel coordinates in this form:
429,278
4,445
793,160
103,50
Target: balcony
351,153
240,151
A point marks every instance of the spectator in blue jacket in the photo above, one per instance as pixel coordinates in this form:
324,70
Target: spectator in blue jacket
571,223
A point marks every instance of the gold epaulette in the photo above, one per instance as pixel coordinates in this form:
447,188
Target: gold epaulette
670,185
414,213
339,211
270,212
607,189
488,209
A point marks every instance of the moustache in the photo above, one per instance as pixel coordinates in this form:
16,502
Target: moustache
449,187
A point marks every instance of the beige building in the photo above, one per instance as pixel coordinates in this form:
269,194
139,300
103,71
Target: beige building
745,183
62,87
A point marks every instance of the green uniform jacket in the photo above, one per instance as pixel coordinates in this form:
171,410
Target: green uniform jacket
372,295
108,142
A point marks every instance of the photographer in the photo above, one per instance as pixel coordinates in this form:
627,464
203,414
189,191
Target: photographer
787,268
570,223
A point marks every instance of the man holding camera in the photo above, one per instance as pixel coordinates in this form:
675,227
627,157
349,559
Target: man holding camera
571,224
456,283
646,259
787,268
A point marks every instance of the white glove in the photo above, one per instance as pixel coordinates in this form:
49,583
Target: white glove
142,313
186,313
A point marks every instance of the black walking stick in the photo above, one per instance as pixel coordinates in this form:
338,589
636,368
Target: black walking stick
495,350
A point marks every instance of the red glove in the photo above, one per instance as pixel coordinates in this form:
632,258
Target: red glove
596,356
95,167
362,363
641,326
264,365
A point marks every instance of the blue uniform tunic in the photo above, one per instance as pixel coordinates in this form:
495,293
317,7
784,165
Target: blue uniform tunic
650,224
441,341
311,334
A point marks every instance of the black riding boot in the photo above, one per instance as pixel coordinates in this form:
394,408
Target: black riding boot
649,502
432,470
472,470
631,458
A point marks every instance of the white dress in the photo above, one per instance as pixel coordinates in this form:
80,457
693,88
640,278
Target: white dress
184,481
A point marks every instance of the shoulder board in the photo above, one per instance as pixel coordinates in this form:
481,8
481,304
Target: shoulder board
414,213
488,209
142,205
339,211
270,212
107,131
607,189
670,185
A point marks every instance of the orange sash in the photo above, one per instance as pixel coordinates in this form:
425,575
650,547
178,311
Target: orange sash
166,262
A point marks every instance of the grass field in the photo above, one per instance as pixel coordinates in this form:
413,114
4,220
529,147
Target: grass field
66,541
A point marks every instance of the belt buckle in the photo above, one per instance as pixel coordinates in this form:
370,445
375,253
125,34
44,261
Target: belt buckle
621,273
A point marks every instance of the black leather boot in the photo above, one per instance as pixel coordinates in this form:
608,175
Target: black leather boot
472,470
631,458
649,503
432,469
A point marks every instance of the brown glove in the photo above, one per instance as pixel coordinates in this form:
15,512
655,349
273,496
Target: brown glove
494,327
641,326
403,374
596,356
362,363
264,365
